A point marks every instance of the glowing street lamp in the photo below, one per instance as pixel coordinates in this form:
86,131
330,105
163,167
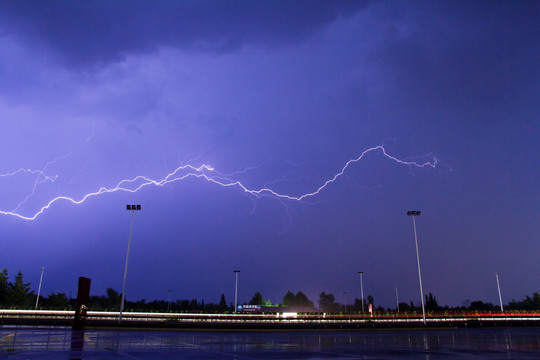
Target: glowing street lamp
361,288
132,208
236,290
415,214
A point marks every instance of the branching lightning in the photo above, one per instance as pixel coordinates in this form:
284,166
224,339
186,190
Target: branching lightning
204,172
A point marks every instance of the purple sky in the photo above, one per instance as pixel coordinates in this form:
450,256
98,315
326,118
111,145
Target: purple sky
278,95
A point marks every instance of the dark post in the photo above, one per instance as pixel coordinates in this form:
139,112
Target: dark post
83,294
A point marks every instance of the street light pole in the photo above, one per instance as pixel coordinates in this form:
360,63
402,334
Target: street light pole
132,208
397,300
236,290
39,287
499,288
169,300
414,214
361,288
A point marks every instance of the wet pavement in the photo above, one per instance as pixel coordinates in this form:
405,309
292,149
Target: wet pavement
63,343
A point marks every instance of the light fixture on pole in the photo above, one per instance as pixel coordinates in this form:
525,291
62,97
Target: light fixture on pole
132,208
236,290
39,287
414,214
361,288
499,288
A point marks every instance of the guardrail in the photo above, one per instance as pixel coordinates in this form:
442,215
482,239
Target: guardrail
285,320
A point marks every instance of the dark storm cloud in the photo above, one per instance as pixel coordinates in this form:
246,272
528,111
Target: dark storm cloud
90,31
476,54
288,91
465,69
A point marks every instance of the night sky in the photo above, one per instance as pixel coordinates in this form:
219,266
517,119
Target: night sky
257,103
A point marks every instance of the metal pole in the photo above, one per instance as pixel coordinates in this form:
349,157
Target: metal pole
397,300
169,300
362,289
499,288
419,271
236,290
39,287
125,269
345,293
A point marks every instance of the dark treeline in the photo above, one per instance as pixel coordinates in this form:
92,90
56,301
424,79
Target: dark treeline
327,303
111,302
16,294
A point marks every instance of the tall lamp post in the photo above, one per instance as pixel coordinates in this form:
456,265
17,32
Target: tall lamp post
236,290
499,288
361,288
132,208
414,214
397,300
39,287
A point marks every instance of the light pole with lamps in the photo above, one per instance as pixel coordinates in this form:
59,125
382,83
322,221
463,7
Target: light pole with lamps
361,288
397,300
236,290
499,288
414,214
39,287
132,208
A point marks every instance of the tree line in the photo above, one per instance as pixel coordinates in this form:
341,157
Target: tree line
16,294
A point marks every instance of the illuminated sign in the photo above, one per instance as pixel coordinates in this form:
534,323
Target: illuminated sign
249,308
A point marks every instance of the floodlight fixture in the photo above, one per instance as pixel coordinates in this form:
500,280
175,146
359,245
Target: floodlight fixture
122,299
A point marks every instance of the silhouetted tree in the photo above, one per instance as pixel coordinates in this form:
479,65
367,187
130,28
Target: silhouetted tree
113,300
327,302
257,299
529,303
19,292
4,287
222,304
431,302
300,299
358,305
403,306
193,305
480,305
58,301
370,300
289,299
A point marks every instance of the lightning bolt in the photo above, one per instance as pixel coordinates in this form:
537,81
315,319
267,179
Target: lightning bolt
41,178
204,172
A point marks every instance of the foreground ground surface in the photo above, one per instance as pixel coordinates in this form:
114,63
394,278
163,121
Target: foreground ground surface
63,343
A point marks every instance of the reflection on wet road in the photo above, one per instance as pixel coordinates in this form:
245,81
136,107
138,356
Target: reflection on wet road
63,343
